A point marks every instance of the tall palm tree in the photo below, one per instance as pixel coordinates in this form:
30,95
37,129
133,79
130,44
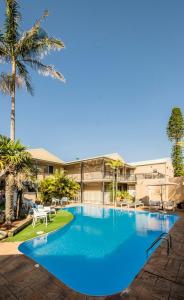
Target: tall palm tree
115,165
6,83
14,160
25,49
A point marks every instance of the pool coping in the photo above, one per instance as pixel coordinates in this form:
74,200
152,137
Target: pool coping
162,276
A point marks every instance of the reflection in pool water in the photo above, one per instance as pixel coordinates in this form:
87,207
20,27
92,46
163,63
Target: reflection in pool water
101,250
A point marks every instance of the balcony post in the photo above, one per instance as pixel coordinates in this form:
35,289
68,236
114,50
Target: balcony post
81,181
103,192
103,183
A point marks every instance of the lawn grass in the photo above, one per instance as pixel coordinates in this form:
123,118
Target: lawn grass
59,220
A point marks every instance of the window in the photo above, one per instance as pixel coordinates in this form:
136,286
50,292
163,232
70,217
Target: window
49,170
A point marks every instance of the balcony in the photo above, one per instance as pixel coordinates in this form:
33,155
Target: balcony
98,176
150,176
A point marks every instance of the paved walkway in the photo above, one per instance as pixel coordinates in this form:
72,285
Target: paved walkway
162,277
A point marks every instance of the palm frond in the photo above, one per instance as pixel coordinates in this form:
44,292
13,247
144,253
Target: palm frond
24,74
14,157
45,70
35,29
6,83
4,54
11,24
37,46
31,35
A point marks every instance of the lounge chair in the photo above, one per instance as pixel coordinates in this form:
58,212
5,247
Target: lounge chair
155,204
38,215
135,204
122,203
169,205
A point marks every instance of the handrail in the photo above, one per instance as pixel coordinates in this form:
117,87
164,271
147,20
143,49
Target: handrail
160,237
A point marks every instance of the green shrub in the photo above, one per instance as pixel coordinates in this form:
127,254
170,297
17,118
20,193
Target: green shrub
58,186
126,196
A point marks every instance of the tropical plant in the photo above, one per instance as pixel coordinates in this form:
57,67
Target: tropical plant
114,166
24,49
14,160
119,195
175,132
58,186
126,196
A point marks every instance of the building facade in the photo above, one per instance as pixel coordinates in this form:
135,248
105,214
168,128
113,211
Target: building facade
45,163
152,178
95,177
151,169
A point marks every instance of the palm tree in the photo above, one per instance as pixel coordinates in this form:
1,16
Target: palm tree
14,160
115,165
6,83
25,49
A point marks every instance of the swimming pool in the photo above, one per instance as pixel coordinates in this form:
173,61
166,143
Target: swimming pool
101,250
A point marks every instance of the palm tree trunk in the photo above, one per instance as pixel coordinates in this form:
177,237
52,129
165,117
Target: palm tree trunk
113,188
116,184
9,192
12,123
18,204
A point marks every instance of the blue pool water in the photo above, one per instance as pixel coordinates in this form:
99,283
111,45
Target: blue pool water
101,250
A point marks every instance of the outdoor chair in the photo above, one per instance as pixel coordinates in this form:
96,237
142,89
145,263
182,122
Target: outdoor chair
38,215
155,204
169,205
47,209
122,203
64,201
135,204
55,201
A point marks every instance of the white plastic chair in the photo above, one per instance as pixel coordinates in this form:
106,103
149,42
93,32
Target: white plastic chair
47,209
55,201
39,215
64,200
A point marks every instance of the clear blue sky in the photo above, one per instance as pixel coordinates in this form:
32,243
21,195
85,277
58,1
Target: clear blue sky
124,70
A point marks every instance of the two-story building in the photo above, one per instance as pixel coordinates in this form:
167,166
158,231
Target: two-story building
95,177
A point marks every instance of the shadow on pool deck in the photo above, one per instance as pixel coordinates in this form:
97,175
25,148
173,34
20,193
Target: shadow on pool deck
162,277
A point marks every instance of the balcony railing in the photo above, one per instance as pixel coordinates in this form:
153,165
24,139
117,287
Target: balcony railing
94,176
150,176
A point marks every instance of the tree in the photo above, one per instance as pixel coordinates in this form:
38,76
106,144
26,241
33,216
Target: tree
175,132
115,165
6,82
14,160
25,49
58,186
177,160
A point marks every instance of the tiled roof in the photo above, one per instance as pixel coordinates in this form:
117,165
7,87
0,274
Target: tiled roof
42,154
114,156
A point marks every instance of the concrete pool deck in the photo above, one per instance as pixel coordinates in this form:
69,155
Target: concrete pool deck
162,277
